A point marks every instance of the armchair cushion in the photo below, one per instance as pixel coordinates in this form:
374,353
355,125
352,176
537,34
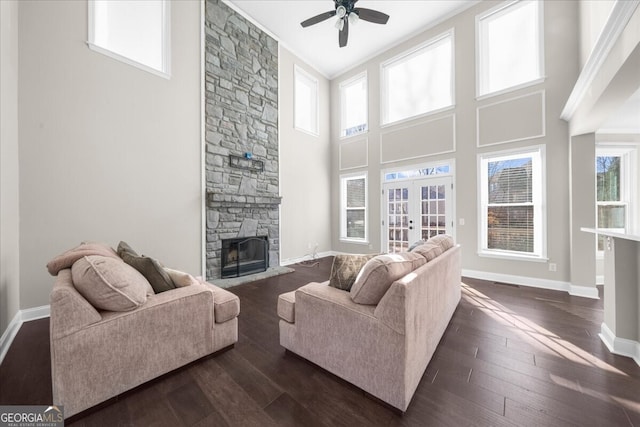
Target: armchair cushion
67,258
287,306
148,267
109,283
226,305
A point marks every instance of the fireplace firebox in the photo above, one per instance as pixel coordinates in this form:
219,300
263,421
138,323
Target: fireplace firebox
244,256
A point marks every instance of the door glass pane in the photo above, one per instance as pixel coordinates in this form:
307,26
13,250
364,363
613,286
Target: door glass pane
433,219
398,219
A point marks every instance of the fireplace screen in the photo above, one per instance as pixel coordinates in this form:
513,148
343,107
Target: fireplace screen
243,256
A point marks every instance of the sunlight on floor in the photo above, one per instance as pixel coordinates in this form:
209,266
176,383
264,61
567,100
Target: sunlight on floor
532,333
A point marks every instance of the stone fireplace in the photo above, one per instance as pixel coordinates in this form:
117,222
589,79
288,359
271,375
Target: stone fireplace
241,114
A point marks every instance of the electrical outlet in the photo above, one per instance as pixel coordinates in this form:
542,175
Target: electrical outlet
461,221
553,266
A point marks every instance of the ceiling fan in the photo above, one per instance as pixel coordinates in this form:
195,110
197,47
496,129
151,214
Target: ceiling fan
347,14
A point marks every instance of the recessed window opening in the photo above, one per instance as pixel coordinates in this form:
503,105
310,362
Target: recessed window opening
419,81
353,106
135,32
510,46
305,101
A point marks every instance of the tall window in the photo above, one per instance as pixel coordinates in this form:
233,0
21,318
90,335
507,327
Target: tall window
353,214
510,46
353,106
419,81
512,203
134,31
614,189
306,101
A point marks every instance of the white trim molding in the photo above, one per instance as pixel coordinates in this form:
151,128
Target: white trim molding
307,258
16,323
534,282
621,346
613,28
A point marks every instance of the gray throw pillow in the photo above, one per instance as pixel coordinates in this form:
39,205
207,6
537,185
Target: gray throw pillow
150,268
345,269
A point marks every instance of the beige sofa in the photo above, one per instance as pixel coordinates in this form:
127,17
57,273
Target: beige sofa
384,349
97,354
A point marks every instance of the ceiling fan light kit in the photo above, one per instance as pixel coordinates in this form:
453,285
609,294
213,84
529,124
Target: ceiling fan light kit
347,14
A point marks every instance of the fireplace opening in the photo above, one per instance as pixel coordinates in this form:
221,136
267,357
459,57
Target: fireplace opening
243,256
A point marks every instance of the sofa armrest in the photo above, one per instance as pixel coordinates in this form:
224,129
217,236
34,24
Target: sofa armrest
287,306
70,312
226,305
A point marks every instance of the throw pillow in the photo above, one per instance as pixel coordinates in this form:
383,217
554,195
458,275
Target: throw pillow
377,275
180,278
345,269
67,258
109,283
150,268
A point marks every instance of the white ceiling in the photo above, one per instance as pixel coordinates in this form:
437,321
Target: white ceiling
318,44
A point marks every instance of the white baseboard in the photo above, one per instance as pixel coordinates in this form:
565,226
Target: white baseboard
308,257
556,285
621,346
15,324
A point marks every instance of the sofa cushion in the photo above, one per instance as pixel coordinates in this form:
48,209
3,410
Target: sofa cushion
67,258
429,250
287,306
109,283
378,274
180,278
345,269
443,240
150,268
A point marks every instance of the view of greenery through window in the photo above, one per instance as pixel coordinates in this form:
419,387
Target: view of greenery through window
611,208
510,220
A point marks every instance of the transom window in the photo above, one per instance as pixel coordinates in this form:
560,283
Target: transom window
353,212
306,101
510,46
512,204
134,31
419,81
418,173
353,106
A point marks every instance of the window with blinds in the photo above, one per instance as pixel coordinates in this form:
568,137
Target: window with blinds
511,197
354,208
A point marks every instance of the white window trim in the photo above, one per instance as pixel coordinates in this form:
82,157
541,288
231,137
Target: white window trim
297,69
629,180
342,85
166,43
539,203
501,8
343,207
407,55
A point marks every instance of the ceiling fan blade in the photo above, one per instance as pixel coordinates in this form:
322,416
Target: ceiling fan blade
318,18
372,15
343,35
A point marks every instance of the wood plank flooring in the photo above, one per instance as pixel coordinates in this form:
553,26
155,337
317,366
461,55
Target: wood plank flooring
510,356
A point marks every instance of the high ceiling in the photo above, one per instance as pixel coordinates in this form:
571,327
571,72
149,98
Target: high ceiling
318,44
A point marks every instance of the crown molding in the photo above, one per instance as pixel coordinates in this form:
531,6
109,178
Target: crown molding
613,28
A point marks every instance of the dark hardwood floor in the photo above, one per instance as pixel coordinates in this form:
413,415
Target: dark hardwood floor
511,356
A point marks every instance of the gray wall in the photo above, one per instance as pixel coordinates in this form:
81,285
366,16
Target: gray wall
305,170
561,63
107,152
9,197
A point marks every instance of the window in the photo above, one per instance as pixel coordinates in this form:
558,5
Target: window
443,169
353,193
306,101
614,192
510,46
353,106
418,82
135,32
512,204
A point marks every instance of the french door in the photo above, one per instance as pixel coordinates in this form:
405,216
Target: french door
416,210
